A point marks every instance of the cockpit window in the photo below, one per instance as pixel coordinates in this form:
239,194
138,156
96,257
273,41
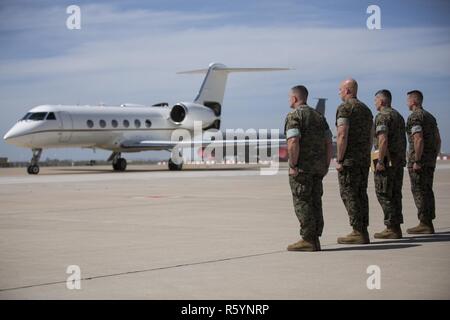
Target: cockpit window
51,116
25,117
36,116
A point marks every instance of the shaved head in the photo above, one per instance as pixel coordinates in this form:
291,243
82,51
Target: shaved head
417,96
351,85
383,98
300,92
414,99
298,95
348,89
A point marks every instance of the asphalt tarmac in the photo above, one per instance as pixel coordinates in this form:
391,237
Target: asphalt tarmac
210,232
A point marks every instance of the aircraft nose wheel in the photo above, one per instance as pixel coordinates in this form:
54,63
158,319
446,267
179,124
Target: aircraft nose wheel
33,169
120,164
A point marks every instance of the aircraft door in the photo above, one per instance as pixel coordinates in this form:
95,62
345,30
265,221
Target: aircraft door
66,126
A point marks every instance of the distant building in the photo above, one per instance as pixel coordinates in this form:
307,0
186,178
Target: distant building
4,162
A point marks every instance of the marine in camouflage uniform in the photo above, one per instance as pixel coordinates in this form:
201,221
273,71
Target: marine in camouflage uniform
388,176
421,175
313,132
355,167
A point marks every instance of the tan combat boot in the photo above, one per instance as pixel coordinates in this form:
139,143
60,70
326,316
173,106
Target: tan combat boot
304,245
392,232
424,227
355,237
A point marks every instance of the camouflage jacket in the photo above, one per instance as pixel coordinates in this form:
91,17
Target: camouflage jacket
390,122
313,130
359,118
421,120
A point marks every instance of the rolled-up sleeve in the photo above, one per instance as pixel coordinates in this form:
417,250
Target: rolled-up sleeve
343,114
292,127
294,132
341,122
381,128
382,123
416,129
415,122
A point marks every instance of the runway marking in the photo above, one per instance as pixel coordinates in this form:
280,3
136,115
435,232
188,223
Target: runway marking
147,270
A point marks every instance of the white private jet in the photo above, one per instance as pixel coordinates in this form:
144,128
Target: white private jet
128,127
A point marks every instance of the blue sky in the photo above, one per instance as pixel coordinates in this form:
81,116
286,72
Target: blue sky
129,51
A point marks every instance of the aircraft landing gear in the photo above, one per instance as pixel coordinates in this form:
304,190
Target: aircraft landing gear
118,163
175,167
177,155
33,168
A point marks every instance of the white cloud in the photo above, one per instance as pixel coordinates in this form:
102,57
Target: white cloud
334,52
133,56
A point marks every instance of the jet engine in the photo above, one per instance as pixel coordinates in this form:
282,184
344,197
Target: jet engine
184,115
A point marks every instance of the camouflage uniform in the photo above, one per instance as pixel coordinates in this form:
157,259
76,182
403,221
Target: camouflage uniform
388,183
356,161
422,181
313,130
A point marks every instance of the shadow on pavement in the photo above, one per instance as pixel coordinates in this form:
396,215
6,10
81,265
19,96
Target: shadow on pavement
437,237
406,242
375,246
131,170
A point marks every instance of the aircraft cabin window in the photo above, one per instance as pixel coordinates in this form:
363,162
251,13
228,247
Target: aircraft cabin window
126,123
90,123
37,116
137,123
102,123
114,123
148,123
51,116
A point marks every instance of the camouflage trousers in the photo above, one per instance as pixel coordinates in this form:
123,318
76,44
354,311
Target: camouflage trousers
353,189
307,191
388,188
422,190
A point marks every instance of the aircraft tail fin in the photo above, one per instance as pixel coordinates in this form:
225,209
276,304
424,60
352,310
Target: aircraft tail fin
320,106
212,89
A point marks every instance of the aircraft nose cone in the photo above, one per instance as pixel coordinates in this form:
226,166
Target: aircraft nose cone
12,135
8,135
19,135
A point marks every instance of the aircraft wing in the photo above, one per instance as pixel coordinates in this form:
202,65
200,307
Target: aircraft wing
169,145
148,145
